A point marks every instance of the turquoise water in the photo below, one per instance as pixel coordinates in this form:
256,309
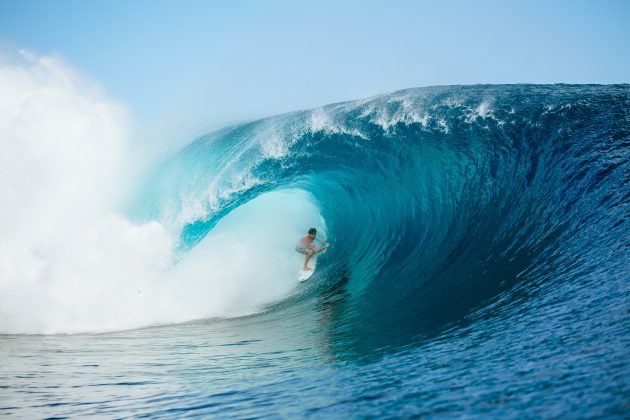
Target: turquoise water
478,267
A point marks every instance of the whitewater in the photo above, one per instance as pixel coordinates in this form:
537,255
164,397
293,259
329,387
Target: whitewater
479,262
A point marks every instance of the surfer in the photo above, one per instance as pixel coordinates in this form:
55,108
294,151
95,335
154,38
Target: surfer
306,247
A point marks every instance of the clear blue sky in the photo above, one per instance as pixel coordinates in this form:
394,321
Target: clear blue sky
205,62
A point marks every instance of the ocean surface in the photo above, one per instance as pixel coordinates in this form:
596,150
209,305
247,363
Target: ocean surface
479,267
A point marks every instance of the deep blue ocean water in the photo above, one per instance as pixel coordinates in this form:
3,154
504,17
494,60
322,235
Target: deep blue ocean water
479,267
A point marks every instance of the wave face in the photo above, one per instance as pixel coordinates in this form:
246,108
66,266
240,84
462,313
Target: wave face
438,201
478,267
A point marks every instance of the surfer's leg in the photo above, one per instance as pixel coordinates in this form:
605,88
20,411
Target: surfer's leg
309,254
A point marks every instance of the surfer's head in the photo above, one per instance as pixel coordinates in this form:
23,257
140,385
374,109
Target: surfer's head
312,232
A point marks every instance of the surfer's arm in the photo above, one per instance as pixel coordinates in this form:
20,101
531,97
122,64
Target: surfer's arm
318,250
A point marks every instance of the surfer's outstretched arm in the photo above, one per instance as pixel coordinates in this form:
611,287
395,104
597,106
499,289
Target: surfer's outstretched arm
318,250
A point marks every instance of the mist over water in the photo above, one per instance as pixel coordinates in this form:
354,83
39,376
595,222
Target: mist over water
479,258
74,260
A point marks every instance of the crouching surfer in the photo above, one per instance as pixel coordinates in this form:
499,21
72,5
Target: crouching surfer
306,247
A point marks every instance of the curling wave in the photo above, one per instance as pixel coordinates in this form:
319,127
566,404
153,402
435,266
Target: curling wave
438,200
440,203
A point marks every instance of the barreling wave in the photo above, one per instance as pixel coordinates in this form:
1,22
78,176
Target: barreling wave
440,203
437,200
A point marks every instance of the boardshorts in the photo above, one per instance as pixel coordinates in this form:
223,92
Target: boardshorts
302,248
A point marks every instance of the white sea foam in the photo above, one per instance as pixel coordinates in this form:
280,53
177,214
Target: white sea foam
274,146
71,262
406,111
483,110
321,120
441,122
